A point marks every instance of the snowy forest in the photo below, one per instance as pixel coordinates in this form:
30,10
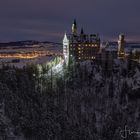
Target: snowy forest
79,102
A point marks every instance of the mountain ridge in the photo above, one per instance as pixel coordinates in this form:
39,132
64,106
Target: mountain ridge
26,42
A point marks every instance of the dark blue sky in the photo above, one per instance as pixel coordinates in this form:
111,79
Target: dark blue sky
49,19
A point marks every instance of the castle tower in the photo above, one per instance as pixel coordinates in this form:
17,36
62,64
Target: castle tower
66,49
74,27
121,45
82,31
82,35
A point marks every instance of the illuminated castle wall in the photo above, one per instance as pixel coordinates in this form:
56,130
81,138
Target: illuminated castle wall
121,45
80,46
66,49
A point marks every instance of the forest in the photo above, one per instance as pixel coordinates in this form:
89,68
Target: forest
79,102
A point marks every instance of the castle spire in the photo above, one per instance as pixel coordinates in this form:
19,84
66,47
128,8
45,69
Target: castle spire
82,31
65,37
74,27
74,22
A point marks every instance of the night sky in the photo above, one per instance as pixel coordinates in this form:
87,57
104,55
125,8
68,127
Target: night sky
47,20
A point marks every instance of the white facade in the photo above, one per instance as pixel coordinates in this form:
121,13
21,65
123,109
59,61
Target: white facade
66,49
121,44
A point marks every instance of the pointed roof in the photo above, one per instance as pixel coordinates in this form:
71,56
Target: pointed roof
65,38
75,23
82,31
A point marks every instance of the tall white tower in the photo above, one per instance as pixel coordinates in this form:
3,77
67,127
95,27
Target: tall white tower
121,45
66,49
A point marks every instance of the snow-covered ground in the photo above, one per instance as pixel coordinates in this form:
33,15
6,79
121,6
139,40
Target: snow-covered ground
57,69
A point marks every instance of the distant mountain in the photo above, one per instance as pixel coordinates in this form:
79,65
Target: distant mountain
26,42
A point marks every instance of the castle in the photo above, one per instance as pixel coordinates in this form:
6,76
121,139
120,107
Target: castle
81,46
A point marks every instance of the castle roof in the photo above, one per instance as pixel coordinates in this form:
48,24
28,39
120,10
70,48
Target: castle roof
65,38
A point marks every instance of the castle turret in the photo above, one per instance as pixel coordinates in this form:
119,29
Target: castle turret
66,49
82,31
74,27
121,45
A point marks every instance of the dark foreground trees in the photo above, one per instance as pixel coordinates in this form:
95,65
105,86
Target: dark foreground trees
80,104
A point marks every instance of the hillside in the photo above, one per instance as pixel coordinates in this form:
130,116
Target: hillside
80,102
